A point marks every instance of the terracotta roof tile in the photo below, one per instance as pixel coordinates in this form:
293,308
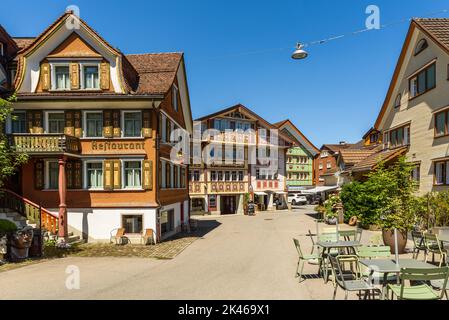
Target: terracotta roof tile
436,27
156,72
370,162
354,156
23,43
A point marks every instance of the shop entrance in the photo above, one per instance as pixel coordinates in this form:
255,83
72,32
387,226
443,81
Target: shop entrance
228,204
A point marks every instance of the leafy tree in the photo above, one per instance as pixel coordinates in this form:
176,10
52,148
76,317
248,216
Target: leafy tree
10,160
386,198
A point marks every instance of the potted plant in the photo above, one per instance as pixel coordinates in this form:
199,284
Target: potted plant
331,209
399,203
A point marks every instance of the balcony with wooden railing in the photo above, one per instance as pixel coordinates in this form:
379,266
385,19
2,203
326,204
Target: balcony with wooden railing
45,143
34,213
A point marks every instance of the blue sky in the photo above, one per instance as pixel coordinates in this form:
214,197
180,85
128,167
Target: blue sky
332,96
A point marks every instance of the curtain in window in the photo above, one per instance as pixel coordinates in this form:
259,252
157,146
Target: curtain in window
132,174
95,175
62,77
56,122
53,176
439,172
91,77
94,123
133,124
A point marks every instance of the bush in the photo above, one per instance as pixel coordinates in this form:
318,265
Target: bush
7,226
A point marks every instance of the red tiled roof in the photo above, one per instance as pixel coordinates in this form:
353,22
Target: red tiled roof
384,156
24,42
156,72
354,156
438,28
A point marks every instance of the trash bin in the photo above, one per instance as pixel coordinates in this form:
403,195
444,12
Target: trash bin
37,245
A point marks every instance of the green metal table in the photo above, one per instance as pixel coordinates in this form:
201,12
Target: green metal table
387,266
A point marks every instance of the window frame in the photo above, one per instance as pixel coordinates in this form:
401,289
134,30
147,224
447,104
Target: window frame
86,175
123,216
47,123
416,76
446,125
422,45
10,123
53,65
85,123
47,174
83,65
406,138
122,124
123,174
445,176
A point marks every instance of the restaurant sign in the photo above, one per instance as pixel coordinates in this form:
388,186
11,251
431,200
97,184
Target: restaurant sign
102,147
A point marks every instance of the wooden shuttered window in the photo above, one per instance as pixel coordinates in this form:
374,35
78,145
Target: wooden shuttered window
39,175
146,124
147,175
74,76
35,122
74,174
117,131
45,76
108,127
105,76
73,125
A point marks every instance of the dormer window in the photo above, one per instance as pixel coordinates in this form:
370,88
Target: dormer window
90,77
421,46
62,75
397,102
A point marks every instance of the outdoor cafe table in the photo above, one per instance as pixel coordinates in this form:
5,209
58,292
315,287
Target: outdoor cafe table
328,246
387,266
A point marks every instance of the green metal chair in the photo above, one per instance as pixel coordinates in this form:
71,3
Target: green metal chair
418,244
375,252
350,280
358,237
348,235
302,258
434,246
422,291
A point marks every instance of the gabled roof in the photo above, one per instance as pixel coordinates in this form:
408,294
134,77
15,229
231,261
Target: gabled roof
142,74
372,161
351,157
244,110
7,37
301,139
156,72
436,29
335,147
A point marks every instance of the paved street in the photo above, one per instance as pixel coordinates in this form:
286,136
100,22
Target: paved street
241,258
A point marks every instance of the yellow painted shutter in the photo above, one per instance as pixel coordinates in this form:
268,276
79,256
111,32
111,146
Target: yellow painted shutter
107,124
38,126
147,175
146,124
104,76
117,174
45,76
74,76
108,176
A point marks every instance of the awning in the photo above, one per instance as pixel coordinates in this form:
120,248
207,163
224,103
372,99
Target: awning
261,193
321,189
281,192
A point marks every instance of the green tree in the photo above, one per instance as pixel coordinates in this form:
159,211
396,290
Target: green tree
10,160
386,198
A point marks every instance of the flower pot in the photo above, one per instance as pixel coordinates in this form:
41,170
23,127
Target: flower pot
388,237
331,221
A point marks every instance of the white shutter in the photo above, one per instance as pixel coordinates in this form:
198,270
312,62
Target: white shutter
406,135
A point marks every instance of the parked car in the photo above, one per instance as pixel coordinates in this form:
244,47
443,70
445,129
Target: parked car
313,198
297,199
